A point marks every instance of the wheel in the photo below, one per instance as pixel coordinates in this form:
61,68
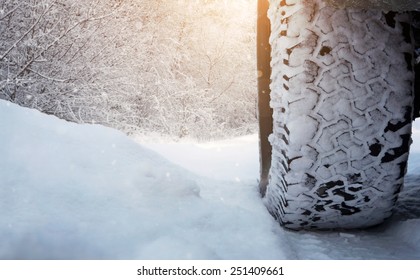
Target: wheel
342,97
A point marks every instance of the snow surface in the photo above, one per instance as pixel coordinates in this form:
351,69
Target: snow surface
73,191
386,5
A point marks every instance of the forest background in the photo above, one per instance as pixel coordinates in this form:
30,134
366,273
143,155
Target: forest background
177,68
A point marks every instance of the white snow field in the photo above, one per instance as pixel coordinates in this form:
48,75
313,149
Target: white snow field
73,191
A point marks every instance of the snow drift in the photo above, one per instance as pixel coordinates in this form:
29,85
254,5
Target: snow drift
73,191
385,5
88,192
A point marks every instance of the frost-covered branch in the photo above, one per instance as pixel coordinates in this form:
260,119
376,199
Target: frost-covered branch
11,11
14,45
48,78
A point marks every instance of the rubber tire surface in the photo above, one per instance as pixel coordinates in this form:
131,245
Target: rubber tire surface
342,96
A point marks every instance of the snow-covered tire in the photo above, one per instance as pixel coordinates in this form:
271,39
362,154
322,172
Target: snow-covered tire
342,96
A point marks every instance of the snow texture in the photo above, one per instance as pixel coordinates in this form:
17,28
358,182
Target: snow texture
385,5
83,191
87,192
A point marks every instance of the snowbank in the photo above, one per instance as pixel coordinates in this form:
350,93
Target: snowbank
84,191
73,191
386,5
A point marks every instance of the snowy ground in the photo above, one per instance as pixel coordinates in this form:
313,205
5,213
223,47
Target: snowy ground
87,192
